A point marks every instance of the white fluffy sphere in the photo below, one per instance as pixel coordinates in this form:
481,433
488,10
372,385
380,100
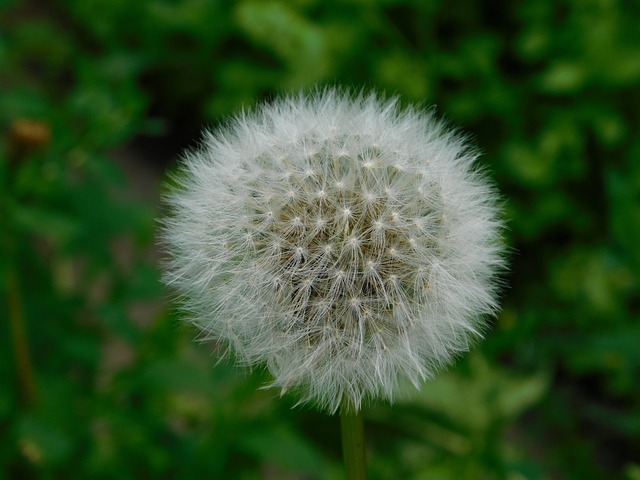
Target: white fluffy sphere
347,244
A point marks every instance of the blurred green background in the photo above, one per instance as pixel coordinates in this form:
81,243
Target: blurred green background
101,380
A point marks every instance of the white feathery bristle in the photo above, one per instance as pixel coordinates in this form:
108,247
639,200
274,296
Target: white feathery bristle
347,244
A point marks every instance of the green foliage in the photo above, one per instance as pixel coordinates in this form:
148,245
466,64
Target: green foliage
550,90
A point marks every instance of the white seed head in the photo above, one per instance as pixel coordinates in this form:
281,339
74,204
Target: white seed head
347,244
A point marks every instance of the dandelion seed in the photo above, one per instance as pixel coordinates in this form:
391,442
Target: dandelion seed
372,264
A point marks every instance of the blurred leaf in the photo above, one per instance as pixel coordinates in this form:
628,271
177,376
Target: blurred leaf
41,443
563,77
294,39
397,71
485,395
285,448
176,375
116,318
48,223
632,472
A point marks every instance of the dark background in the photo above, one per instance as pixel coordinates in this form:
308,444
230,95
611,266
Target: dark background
101,379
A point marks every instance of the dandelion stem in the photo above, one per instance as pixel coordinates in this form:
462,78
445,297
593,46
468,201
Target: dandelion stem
352,427
20,343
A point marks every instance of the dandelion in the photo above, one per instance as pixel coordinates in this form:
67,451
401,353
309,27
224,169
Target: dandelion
348,244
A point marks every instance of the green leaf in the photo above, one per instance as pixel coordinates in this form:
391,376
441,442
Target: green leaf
50,224
285,448
484,396
177,375
292,37
42,443
564,77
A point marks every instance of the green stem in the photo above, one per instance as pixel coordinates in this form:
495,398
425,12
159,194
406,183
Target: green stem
353,444
20,343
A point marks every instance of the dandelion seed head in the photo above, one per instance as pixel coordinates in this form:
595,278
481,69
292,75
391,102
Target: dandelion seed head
347,244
